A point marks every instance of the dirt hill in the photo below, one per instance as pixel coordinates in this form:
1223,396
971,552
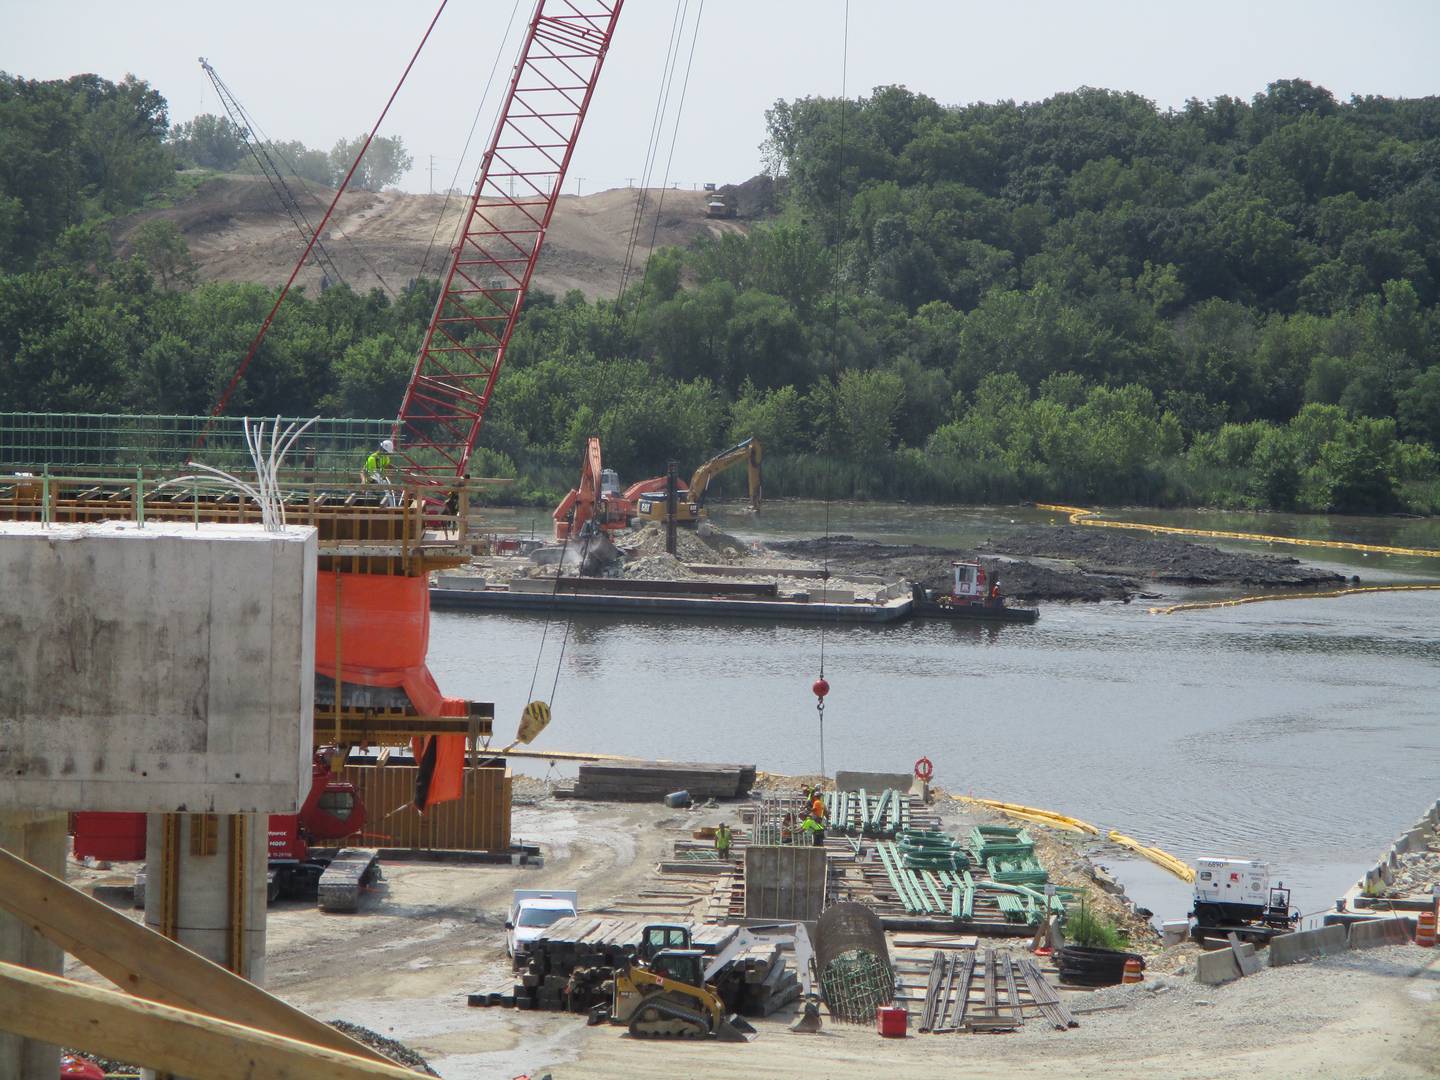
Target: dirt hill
237,231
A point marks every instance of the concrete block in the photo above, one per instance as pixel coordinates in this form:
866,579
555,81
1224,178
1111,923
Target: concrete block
1307,945
1214,968
1173,932
462,582
1245,956
1373,933
873,782
163,668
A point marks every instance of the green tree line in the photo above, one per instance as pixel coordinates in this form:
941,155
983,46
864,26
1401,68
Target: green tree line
76,152
1084,298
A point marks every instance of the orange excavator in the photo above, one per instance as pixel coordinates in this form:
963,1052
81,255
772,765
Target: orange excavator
596,500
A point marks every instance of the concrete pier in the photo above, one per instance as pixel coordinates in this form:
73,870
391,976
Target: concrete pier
38,838
215,900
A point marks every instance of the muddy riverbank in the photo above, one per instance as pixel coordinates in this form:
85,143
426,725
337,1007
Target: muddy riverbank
1066,563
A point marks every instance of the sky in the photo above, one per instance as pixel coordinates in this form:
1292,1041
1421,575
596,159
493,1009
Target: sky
314,70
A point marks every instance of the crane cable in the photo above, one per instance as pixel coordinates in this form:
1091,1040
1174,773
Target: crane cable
670,156
652,146
821,686
247,118
314,238
460,163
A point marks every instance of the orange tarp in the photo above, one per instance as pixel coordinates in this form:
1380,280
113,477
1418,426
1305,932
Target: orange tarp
384,634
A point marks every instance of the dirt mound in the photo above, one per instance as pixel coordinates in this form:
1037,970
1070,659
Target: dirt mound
930,567
1160,558
237,231
691,545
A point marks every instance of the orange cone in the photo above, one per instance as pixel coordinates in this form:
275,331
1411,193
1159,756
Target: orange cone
1133,973
1425,929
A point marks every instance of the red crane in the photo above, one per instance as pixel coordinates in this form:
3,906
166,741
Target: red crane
509,212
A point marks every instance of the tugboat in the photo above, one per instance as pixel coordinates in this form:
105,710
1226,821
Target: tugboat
971,596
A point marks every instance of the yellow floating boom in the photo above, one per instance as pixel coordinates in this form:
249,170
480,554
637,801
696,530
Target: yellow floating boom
1080,516
1162,859
1201,605
1032,813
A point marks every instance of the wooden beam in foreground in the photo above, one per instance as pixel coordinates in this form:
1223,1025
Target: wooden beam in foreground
150,965
55,1010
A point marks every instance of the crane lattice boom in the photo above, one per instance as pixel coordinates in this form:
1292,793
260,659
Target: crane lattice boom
509,212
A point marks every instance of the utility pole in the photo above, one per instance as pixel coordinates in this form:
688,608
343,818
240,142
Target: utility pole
432,174
630,181
578,181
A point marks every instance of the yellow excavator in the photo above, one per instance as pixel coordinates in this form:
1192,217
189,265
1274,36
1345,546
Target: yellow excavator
649,495
662,994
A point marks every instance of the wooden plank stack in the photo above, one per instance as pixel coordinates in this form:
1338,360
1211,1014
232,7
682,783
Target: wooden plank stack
982,990
569,965
651,781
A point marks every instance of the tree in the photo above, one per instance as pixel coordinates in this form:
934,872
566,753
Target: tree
385,162
159,244
855,414
209,142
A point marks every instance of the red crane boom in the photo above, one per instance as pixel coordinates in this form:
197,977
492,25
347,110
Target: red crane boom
509,212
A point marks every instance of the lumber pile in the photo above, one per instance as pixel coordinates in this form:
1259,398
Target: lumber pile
651,781
569,968
986,990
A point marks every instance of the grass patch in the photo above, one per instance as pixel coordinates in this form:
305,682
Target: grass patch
1091,930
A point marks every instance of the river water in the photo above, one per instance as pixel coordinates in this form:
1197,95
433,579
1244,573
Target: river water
1302,732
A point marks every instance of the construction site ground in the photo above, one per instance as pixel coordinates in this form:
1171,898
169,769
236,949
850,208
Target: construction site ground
237,231
433,933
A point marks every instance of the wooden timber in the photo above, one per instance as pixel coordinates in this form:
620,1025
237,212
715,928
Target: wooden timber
51,1009
147,964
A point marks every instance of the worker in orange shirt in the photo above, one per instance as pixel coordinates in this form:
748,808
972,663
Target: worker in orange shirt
817,805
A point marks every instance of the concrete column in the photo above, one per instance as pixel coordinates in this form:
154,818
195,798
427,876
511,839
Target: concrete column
39,838
205,902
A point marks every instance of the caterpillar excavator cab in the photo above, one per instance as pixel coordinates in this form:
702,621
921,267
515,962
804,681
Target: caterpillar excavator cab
648,496
663,993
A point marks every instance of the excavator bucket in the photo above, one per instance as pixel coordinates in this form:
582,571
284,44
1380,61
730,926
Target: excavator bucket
735,1028
807,1020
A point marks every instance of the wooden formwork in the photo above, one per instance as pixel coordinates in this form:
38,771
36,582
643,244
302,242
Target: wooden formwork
480,821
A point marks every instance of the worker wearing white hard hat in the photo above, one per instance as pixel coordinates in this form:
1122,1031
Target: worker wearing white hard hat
377,465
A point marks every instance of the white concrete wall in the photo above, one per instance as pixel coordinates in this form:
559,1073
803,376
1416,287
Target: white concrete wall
163,668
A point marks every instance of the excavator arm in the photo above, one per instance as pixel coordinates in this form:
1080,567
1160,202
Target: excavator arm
580,503
748,451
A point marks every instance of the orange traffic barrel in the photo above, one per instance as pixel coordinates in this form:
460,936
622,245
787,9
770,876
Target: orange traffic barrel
1133,974
1425,929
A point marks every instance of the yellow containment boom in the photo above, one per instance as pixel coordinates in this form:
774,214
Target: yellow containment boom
1162,859
1080,516
1204,605
1031,813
